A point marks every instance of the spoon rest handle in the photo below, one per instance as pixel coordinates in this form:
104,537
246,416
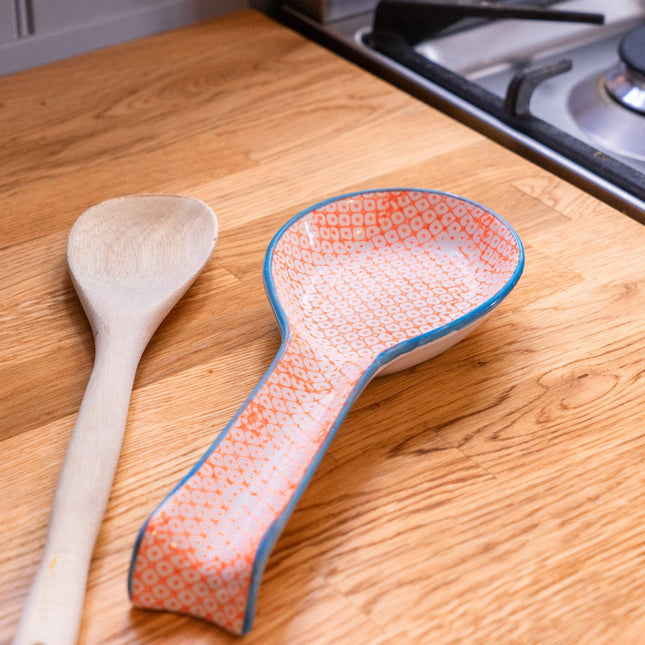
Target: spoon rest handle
203,550
53,610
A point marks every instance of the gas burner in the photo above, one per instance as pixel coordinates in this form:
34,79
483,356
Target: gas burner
611,109
625,82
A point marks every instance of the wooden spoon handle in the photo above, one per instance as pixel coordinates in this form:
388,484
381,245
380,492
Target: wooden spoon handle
203,550
52,613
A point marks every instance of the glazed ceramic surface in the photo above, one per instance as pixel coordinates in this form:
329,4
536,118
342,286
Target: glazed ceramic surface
363,283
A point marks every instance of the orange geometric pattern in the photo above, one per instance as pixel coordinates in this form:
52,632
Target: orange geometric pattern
350,280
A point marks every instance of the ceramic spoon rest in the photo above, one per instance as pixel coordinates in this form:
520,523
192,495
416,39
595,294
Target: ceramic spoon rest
363,283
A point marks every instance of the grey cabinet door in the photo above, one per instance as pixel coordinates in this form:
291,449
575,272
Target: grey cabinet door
33,32
8,21
64,15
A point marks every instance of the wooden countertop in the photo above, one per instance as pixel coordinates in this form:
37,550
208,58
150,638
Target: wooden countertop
492,495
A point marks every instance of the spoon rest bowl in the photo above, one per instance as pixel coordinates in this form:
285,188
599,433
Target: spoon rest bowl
364,283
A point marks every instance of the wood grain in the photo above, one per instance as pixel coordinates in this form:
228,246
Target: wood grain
491,495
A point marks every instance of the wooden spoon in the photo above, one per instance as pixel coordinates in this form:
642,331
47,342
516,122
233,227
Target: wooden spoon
131,259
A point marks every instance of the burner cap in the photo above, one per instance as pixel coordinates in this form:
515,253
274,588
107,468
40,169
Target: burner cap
625,81
632,50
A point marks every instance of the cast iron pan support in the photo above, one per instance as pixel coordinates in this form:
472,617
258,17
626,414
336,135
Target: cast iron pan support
418,21
520,89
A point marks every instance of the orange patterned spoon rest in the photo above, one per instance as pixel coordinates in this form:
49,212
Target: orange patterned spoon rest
365,283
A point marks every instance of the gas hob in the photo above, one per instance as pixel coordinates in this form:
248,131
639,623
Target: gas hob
561,82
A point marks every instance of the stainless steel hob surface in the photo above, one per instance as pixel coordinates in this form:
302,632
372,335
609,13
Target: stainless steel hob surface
488,54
